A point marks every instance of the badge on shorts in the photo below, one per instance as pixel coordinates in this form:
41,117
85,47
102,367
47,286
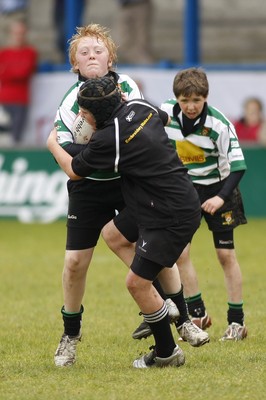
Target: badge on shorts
228,218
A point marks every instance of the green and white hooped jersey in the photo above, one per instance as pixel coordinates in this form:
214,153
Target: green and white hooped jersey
69,109
212,151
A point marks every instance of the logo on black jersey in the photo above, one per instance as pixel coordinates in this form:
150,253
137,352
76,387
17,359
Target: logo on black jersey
139,128
130,116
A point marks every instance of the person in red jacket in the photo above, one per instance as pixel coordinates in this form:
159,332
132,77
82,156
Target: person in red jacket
251,127
18,63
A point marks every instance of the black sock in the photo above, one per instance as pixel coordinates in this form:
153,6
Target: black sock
72,322
179,301
235,313
160,327
196,307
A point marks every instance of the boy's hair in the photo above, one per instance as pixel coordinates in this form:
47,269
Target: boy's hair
191,81
92,30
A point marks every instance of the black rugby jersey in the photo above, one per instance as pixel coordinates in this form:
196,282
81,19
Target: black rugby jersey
155,184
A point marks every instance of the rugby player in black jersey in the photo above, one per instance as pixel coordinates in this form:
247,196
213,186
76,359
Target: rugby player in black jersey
130,139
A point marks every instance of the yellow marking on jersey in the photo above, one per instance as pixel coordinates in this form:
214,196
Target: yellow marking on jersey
189,153
136,131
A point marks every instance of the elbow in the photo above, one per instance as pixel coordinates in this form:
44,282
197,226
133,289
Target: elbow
73,176
70,173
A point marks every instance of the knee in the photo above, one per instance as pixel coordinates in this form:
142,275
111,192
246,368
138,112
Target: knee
226,257
132,282
75,264
110,234
136,284
113,238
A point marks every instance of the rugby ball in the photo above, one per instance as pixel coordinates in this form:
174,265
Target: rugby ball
81,130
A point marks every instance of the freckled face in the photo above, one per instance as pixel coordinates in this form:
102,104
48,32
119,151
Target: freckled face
191,106
92,58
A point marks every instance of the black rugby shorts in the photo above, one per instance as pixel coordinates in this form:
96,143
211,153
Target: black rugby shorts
164,246
229,216
91,205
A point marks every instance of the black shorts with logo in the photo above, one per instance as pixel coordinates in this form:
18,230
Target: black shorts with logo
230,215
91,205
163,245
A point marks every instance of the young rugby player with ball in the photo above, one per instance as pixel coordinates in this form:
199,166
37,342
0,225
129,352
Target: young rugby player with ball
130,139
94,201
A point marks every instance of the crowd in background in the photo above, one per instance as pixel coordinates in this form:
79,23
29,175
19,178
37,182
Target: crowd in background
251,127
18,64
133,35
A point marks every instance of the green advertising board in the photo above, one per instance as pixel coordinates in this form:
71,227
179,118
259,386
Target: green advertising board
33,188
253,184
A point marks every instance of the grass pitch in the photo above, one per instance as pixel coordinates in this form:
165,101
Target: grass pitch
31,297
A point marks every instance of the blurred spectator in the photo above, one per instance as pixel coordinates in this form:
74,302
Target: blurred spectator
251,127
11,10
18,62
134,25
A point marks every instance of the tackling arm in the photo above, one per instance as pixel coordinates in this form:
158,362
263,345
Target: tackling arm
63,159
